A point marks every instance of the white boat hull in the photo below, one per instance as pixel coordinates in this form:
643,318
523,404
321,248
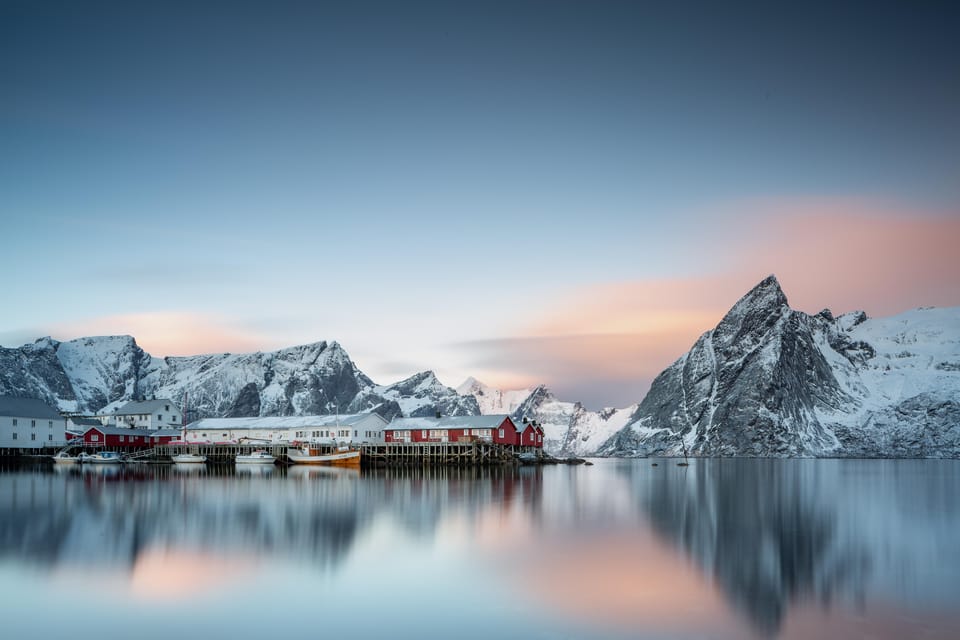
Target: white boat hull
189,458
256,460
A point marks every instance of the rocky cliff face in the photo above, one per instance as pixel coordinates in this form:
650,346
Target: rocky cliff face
772,381
97,374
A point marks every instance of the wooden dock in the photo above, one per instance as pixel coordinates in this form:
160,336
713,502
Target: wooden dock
392,454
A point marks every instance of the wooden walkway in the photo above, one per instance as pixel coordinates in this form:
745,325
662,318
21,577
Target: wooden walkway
393,454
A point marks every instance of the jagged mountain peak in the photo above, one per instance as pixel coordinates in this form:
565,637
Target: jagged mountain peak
772,381
470,386
767,295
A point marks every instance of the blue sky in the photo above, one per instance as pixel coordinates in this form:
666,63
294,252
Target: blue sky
410,178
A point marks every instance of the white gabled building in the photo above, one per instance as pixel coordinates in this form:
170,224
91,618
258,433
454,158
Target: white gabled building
144,414
356,428
26,423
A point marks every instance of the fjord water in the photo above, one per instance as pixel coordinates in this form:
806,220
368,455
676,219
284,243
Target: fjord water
623,549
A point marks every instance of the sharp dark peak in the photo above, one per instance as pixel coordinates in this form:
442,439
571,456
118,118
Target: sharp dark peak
767,297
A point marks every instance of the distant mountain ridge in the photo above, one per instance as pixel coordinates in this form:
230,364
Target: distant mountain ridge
569,428
98,373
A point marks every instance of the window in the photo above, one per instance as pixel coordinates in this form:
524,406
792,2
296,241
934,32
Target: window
123,438
50,437
94,438
50,424
354,434
33,423
501,432
224,435
423,434
159,417
14,422
33,436
166,407
14,435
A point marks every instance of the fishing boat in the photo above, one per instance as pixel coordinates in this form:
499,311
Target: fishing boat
189,458
101,457
63,457
312,454
257,457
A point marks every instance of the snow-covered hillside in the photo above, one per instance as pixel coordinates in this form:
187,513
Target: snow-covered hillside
772,381
569,428
99,373
493,401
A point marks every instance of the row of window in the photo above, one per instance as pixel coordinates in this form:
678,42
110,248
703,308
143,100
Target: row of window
33,436
33,423
173,417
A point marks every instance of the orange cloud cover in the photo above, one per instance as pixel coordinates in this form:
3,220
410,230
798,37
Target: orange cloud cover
844,254
170,333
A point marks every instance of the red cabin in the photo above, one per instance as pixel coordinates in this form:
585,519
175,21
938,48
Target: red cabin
499,429
529,435
127,438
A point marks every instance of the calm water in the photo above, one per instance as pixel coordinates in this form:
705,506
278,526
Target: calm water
723,548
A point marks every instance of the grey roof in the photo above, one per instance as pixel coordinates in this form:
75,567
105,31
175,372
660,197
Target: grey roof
283,422
122,431
137,407
491,421
26,408
84,422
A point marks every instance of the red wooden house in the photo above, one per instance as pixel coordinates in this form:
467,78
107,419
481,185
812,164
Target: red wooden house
530,434
498,429
123,437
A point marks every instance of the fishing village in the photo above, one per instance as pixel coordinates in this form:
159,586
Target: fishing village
155,431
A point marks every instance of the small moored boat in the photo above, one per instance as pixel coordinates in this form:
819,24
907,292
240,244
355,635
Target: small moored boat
257,457
189,458
63,457
101,457
307,454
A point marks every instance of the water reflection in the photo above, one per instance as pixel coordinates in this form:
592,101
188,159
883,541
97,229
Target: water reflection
781,534
723,548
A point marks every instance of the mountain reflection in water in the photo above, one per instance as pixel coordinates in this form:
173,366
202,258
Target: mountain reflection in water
722,548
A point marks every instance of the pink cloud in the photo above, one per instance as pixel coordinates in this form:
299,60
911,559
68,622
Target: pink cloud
853,254
844,254
170,333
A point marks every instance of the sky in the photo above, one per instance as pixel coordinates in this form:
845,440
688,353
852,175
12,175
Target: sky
523,192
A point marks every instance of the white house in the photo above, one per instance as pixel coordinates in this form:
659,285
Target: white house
359,428
144,414
26,423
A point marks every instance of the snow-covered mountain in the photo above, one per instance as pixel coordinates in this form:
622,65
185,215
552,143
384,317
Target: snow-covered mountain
772,381
99,373
491,400
569,428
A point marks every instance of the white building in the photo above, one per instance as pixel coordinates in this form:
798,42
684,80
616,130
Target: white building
144,414
356,428
26,423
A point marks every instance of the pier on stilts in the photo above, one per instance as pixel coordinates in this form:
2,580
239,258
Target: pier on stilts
380,454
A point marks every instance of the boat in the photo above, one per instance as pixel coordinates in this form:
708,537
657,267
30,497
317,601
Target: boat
189,458
257,457
312,454
101,457
527,457
63,457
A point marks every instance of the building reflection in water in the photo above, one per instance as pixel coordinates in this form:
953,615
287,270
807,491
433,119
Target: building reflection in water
722,548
